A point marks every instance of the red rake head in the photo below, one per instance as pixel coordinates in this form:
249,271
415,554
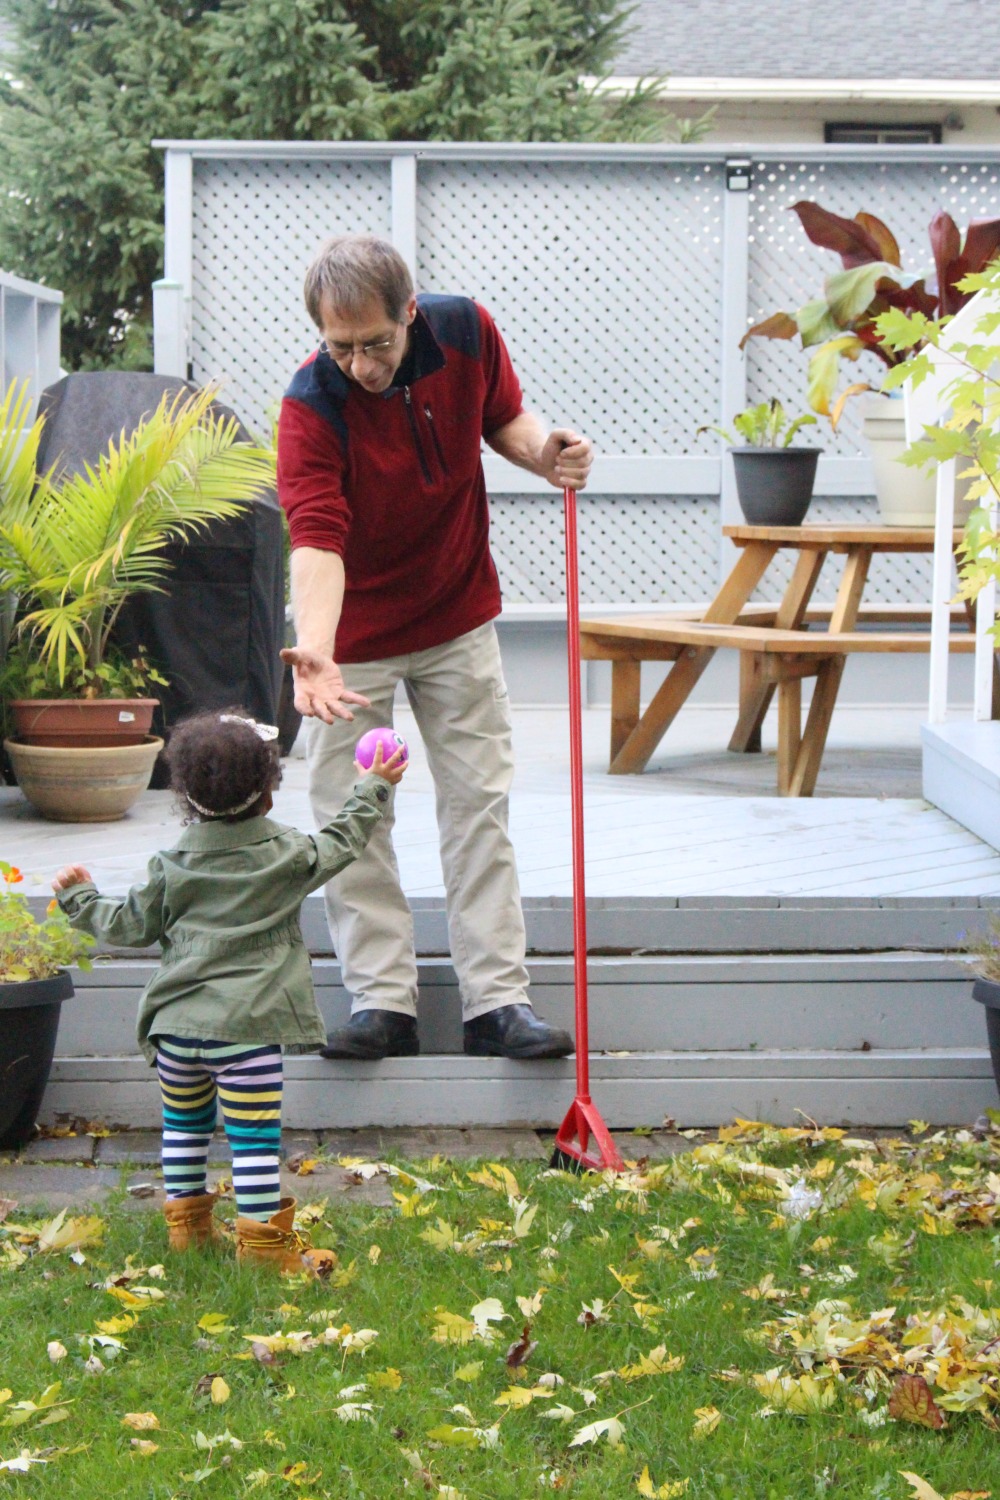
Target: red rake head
583,1141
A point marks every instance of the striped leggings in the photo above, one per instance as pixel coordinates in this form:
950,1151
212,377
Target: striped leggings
194,1075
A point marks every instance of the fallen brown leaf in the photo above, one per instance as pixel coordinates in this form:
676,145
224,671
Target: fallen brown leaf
912,1401
203,1387
522,1348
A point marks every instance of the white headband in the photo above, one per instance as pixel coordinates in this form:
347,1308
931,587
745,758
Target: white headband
267,732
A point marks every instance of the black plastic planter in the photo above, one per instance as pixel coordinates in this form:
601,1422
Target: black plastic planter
29,1020
987,992
775,485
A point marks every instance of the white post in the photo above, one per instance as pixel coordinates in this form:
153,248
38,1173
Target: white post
986,613
733,325
942,589
404,209
169,341
177,255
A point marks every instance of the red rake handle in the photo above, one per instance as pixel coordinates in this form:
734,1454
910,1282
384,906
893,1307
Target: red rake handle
576,791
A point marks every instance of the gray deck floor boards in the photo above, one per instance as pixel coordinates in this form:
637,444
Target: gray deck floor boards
699,823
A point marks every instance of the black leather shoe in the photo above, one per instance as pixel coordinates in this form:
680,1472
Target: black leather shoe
514,1031
373,1034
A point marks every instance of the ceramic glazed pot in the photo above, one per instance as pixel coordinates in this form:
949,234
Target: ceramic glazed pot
29,1021
83,785
775,485
906,496
82,723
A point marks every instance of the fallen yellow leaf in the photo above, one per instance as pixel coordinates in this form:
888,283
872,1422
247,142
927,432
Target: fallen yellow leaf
220,1391
708,1419
141,1421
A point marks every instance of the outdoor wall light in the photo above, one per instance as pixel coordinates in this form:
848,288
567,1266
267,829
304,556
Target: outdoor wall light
739,176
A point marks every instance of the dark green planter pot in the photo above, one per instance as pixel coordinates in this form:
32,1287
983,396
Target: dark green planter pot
775,485
987,992
29,1021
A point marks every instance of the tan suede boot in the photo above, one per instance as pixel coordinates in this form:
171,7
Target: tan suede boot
190,1225
277,1243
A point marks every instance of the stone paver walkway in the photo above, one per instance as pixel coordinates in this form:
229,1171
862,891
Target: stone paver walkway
75,1172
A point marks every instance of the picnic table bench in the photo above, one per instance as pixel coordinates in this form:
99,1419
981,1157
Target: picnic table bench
777,646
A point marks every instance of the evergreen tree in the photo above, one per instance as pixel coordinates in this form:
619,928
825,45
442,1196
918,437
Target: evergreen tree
91,83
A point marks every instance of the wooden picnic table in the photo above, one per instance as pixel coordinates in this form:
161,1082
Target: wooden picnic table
776,644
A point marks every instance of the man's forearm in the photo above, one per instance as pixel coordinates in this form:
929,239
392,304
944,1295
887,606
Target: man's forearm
317,598
521,442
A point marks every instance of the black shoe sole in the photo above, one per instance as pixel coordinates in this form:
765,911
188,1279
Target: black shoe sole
344,1054
532,1053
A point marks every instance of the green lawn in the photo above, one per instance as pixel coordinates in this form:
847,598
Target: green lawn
681,1324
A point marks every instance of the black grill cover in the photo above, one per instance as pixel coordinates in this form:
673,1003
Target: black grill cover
216,630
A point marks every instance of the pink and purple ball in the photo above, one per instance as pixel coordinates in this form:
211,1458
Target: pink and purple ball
388,739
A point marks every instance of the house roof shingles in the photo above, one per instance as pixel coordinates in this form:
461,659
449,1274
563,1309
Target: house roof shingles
944,39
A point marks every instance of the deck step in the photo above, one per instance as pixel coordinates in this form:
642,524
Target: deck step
853,1037
843,1002
880,1087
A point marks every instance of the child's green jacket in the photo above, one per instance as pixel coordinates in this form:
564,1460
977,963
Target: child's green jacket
224,906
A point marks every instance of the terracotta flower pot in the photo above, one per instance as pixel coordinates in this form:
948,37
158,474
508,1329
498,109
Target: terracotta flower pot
81,723
90,785
29,1020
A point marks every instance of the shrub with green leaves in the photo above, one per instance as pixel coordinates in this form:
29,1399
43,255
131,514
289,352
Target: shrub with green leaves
970,431
91,84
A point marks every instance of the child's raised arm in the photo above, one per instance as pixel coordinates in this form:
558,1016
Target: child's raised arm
132,921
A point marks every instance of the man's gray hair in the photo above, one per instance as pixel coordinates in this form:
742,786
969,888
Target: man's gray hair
353,270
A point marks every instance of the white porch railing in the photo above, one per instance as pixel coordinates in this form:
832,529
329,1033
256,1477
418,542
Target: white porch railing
29,332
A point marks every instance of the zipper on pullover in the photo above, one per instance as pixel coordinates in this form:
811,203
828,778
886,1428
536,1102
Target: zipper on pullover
416,434
434,439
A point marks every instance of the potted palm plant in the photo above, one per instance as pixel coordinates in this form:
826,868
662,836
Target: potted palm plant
34,983
842,323
774,479
72,552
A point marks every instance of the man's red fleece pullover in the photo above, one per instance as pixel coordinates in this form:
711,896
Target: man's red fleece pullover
394,482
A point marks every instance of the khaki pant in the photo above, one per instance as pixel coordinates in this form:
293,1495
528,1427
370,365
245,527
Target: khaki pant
459,700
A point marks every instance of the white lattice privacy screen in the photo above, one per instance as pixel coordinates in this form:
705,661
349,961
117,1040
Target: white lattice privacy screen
620,277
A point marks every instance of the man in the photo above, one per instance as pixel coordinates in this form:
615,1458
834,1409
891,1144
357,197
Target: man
379,472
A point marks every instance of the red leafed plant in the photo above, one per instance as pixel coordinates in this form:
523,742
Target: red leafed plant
842,321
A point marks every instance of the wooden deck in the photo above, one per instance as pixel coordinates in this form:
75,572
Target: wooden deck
750,955
699,823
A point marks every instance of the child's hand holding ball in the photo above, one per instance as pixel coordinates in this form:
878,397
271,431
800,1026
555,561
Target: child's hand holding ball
382,752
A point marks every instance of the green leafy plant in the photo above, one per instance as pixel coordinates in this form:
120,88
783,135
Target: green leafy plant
843,322
970,433
763,426
76,548
33,949
27,675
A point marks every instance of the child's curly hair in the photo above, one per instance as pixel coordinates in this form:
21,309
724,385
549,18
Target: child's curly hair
220,767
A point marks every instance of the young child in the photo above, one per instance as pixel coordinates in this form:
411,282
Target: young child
234,987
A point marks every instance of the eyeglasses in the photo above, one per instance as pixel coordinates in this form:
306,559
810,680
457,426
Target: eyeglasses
378,349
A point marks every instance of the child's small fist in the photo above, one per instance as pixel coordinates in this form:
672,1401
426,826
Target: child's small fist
68,876
390,770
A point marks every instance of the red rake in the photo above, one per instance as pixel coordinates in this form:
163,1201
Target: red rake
583,1141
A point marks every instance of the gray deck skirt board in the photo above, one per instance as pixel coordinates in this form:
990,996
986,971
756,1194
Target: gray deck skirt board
708,923
642,1004
890,1087
853,1037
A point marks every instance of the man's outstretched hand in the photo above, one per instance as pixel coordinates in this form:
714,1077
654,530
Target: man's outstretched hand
319,686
